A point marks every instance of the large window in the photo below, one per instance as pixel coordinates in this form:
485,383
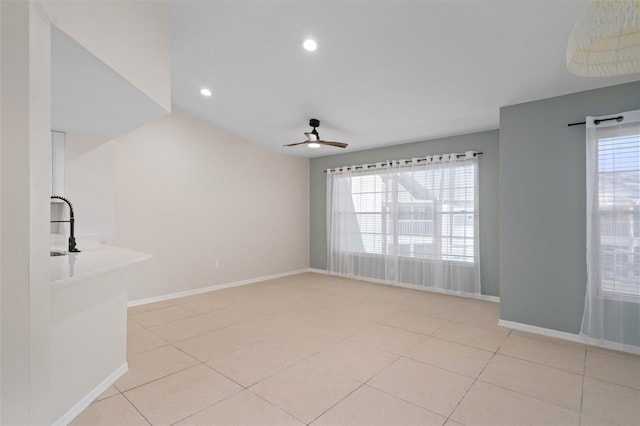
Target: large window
424,213
618,210
612,299
397,220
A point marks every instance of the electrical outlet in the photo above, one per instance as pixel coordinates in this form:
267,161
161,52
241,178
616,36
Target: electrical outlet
217,264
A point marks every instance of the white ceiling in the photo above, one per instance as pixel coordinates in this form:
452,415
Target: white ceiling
385,72
87,96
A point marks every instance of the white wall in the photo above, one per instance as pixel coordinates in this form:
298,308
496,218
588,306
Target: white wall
25,159
139,50
132,37
90,184
190,194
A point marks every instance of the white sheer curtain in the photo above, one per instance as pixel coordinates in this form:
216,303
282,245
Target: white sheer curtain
612,301
411,222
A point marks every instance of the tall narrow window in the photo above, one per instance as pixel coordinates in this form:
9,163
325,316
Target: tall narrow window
612,304
409,221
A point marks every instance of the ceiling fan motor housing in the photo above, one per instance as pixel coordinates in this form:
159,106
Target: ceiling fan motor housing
313,138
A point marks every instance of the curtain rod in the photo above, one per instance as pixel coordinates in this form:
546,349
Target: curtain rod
475,154
598,121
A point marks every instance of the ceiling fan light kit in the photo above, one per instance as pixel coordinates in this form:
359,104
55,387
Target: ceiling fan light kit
310,45
313,138
605,41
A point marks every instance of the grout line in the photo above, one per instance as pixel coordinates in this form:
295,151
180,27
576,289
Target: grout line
476,379
396,396
469,346
404,400
208,406
275,406
541,364
612,383
440,328
380,322
149,327
584,373
149,350
337,402
170,304
204,364
407,356
530,396
107,397
158,378
522,393
136,408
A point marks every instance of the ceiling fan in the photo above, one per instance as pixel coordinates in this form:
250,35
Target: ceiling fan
313,138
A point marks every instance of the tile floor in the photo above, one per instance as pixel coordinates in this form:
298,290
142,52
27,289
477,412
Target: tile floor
320,350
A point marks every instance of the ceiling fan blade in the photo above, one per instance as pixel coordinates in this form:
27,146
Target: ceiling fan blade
299,143
338,144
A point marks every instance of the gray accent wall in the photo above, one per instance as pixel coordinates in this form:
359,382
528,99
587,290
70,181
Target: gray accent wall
487,142
542,205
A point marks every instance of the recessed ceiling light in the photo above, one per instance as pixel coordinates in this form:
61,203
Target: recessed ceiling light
205,92
313,145
310,45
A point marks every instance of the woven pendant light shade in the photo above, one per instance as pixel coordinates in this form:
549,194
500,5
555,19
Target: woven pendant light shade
605,41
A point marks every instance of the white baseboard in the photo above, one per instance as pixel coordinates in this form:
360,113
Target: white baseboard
488,298
286,274
79,406
540,330
212,288
577,338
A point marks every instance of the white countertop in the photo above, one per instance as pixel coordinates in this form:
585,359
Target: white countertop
90,262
